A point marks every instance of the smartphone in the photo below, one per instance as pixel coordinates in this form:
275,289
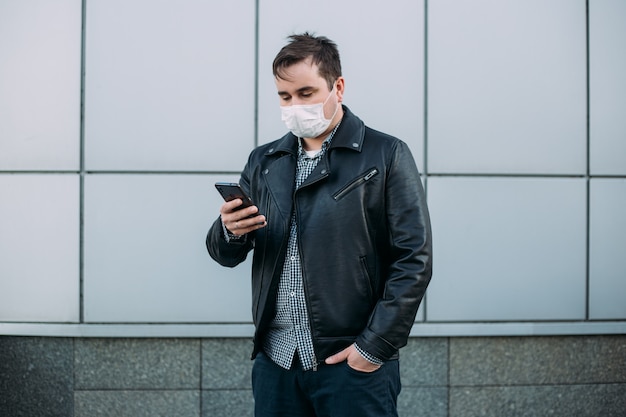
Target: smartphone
231,191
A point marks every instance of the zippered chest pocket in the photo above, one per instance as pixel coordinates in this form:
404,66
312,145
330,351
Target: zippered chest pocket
357,182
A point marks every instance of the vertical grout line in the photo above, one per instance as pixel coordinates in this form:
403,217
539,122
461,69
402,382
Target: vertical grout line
200,385
588,172
449,382
256,74
425,159
73,390
81,241
425,133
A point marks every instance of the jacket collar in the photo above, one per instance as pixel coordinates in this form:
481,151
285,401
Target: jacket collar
349,135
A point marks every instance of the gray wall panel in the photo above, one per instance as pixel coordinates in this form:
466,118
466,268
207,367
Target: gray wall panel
166,88
607,262
607,89
145,254
40,55
39,248
507,249
507,87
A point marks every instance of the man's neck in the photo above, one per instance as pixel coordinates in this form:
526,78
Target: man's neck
313,144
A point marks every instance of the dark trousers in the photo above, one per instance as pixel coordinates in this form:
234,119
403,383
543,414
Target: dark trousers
331,391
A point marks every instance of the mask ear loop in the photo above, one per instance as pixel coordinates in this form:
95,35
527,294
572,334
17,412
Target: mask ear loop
326,101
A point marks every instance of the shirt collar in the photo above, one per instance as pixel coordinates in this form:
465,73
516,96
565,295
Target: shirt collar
325,144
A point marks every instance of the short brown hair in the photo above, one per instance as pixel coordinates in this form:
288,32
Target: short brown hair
323,53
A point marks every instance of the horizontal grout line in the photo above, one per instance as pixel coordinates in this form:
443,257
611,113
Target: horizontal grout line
407,385
506,175
541,384
246,330
157,389
245,323
470,175
428,175
523,322
129,323
124,172
38,172
163,172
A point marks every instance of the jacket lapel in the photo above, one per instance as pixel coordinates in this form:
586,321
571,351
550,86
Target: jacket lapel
279,174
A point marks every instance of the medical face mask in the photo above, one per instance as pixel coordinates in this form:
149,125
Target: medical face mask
307,120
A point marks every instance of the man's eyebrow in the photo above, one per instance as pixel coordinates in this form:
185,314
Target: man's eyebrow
299,90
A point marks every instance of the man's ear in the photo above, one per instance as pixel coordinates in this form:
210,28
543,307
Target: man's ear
341,85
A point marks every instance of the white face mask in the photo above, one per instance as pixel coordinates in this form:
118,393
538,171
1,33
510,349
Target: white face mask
307,120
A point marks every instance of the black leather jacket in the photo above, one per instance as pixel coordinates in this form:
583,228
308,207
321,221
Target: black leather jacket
364,238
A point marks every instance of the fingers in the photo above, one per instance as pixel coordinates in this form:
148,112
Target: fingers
231,206
355,360
239,222
246,225
338,357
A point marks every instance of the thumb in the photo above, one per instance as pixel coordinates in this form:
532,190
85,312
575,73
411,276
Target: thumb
337,357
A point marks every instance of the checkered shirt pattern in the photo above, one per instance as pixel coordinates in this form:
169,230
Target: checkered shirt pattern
290,329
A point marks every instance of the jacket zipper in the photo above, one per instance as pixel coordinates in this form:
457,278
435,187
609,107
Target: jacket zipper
372,172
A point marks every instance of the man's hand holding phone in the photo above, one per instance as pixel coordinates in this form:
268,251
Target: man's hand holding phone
238,213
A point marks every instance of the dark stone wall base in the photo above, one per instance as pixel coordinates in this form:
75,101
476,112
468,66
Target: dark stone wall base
441,377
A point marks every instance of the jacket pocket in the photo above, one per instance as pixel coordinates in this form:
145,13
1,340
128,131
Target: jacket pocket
367,278
360,180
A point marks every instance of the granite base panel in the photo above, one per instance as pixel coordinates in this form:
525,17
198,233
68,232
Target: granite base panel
441,377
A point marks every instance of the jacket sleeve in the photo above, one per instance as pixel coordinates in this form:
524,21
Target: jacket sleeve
409,266
227,253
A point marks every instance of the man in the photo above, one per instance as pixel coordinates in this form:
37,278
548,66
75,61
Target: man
341,246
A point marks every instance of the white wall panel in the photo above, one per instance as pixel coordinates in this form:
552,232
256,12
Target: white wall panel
607,66
145,256
169,85
40,55
607,282
507,86
507,249
382,52
39,247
